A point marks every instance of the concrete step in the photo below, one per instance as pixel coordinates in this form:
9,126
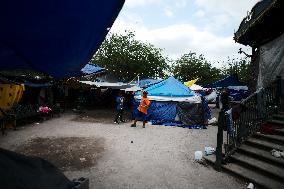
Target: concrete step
277,123
260,154
279,132
281,112
248,174
252,176
267,169
278,139
278,117
264,145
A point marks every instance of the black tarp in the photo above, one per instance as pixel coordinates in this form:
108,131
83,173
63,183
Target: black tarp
190,113
18,171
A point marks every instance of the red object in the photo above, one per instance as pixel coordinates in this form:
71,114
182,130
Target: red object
267,128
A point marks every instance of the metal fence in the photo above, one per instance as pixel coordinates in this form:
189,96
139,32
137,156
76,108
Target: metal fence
245,118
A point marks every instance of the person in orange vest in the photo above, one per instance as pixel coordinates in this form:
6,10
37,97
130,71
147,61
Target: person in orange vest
141,111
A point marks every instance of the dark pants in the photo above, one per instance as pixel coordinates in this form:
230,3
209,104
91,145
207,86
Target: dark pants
119,115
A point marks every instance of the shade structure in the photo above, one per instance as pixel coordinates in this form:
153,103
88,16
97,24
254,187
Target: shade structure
54,37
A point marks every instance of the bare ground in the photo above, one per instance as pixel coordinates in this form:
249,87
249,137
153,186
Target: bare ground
117,156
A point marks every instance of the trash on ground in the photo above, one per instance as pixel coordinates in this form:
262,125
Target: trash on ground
198,155
277,153
209,150
212,121
82,159
250,186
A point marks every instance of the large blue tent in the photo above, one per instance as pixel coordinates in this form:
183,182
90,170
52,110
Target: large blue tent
170,87
170,98
54,37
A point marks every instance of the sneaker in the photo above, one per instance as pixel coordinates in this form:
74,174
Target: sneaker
115,122
143,126
133,125
122,121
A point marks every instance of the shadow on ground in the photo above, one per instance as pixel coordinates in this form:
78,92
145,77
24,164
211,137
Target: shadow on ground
66,153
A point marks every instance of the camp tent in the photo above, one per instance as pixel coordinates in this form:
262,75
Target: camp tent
171,101
195,87
231,80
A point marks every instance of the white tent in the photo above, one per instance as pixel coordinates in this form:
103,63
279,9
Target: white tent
195,87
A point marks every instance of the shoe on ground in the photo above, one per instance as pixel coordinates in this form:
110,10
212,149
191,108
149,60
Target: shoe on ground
122,121
116,122
143,126
133,125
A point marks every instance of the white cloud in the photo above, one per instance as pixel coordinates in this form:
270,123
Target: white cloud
137,3
232,8
180,3
169,13
183,38
199,14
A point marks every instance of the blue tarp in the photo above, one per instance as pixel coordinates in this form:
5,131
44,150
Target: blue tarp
231,80
159,111
54,37
92,69
170,87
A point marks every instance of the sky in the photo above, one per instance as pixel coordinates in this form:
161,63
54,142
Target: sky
180,26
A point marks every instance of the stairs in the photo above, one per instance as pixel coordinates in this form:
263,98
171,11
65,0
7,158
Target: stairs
253,161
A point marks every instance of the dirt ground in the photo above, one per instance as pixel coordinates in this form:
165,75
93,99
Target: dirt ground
117,156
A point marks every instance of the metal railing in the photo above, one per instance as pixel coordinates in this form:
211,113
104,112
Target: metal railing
245,118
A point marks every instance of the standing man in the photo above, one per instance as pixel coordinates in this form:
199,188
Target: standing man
120,107
141,111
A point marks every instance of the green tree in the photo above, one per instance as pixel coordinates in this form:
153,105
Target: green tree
239,66
126,57
190,66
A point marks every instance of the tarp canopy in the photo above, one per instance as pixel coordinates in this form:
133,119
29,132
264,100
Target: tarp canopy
170,87
54,37
92,69
231,80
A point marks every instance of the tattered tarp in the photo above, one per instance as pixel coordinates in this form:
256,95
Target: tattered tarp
271,61
54,37
20,171
231,80
190,114
92,69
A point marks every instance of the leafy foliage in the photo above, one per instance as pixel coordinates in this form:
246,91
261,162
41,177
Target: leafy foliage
126,57
190,66
239,66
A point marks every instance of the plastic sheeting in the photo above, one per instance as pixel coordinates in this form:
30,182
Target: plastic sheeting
159,111
271,62
190,114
